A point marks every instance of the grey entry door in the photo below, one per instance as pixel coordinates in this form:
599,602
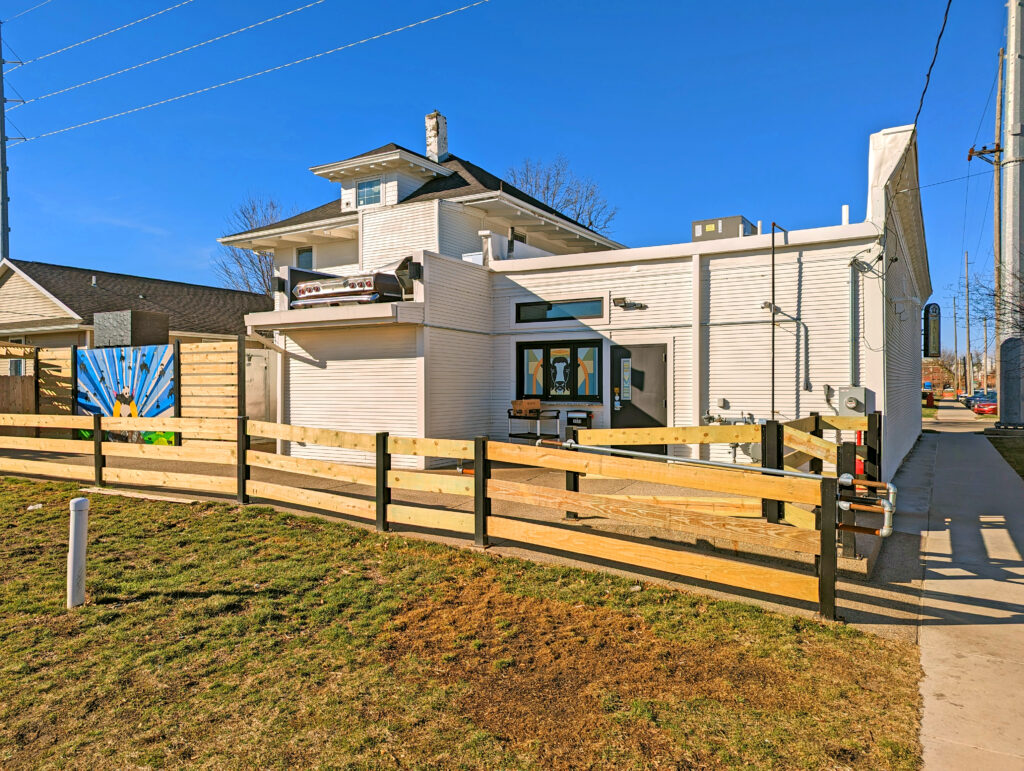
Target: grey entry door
640,383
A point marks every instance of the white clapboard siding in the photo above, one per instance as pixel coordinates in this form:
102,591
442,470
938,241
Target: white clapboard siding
902,408
24,305
369,381
390,233
458,385
459,232
457,294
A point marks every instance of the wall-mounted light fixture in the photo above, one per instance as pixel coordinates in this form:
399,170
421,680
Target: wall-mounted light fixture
626,305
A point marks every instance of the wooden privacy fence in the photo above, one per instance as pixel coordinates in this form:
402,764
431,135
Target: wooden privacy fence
367,494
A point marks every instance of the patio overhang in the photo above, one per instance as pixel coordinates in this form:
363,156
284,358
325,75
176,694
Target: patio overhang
359,315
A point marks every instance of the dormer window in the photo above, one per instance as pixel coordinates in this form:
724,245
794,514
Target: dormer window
368,192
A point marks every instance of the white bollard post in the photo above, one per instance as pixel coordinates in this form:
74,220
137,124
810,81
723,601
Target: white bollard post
76,551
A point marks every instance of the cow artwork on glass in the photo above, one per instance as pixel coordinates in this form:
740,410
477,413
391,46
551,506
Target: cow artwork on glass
559,367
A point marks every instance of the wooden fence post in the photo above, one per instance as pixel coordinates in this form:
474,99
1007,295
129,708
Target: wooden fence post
572,478
771,457
35,388
826,562
176,377
482,508
74,383
97,449
242,450
241,375
816,465
873,441
847,457
383,491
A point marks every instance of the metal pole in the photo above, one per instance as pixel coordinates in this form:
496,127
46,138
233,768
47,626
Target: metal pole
997,210
827,561
1011,411
771,415
956,352
969,364
76,551
5,226
383,492
482,504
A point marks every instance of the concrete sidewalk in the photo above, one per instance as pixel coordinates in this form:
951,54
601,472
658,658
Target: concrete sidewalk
967,505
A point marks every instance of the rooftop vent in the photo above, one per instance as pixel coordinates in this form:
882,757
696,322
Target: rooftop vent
722,227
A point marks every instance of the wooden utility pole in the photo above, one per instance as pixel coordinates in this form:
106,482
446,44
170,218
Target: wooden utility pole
969,362
997,205
984,357
956,351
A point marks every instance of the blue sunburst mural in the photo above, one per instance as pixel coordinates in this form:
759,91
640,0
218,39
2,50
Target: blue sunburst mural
128,382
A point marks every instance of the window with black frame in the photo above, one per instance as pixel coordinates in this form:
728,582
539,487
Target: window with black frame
559,310
566,371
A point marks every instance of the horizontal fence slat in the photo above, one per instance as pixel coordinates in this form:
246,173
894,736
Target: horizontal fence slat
224,454
419,516
327,437
202,399
812,445
802,424
845,422
744,483
209,390
46,445
315,499
46,421
703,567
43,468
671,435
718,506
173,479
324,469
222,428
196,382
227,357
654,515
189,370
430,482
209,412
225,345
431,448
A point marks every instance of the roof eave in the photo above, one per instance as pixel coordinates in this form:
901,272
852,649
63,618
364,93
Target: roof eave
339,169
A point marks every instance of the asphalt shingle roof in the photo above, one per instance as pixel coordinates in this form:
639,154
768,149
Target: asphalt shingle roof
467,179
190,307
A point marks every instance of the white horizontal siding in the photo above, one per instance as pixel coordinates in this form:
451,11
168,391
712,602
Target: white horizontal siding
22,305
458,385
390,233
459,230
902,419
457,294
363,380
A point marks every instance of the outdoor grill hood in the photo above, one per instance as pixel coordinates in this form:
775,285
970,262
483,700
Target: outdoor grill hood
391,283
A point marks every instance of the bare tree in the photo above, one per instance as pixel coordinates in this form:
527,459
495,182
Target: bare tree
558,186
249,270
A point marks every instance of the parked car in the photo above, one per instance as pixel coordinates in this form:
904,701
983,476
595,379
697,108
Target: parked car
985,407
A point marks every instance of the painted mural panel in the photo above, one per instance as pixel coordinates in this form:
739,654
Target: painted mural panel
133,382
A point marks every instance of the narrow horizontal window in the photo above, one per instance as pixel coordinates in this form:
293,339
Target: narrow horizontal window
560,310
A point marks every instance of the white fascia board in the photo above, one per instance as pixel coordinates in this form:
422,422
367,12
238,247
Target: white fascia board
338,315
255,235
724,246
517,203
69,327
343,167
5,263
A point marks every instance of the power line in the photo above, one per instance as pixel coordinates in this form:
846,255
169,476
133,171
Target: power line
28,10
935,55
256,74
101,35
167,56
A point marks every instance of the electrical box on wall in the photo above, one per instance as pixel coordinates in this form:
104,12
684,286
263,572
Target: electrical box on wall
855,400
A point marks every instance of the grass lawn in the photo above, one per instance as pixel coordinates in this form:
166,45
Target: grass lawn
1012,450
928,412
216,636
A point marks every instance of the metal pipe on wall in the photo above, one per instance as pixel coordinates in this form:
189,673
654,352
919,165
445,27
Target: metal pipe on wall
774,310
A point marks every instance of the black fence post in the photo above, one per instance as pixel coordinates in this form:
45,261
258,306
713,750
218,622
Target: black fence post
241,375
482,508
826,561
572,478
176,377
243,465
97,449
816,466
74,382
35,388
383,490
873,442
847,464
771,457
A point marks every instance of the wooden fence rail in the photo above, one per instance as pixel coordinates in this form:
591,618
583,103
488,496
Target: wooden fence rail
736,518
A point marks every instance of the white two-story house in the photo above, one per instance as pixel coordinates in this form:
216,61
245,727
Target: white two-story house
507,299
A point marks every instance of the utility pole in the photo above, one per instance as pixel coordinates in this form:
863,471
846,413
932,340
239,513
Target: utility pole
969,363
5,227
1011,409
956,351
984,357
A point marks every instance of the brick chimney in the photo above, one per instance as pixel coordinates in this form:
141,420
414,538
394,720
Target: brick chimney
437,137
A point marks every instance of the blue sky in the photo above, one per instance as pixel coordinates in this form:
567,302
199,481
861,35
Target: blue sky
679,110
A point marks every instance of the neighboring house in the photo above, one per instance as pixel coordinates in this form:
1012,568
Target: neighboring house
513,300
52,306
